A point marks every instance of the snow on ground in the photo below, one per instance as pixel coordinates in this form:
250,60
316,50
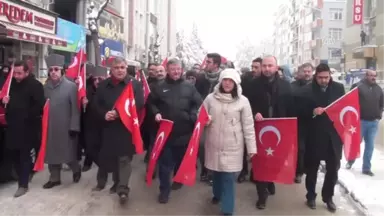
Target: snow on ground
368,191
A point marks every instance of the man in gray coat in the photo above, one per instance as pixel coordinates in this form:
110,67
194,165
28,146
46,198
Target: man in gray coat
63,123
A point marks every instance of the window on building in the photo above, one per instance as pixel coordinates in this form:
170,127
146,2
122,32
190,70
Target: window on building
335,34
334,53
336,14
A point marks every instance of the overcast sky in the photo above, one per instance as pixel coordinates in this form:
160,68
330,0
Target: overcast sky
223,24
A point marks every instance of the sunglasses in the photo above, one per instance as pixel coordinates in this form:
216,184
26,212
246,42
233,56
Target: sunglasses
54,69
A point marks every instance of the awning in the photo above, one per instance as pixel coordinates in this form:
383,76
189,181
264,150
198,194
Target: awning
29,35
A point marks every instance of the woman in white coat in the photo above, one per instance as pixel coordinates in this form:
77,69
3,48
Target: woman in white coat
230,125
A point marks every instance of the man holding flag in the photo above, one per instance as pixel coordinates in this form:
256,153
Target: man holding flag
24,106
118,137
176,100
324,142
63,122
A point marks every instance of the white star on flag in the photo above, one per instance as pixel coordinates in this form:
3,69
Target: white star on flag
352,129
136,121
269,151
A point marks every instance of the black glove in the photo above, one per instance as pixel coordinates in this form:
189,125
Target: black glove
73,134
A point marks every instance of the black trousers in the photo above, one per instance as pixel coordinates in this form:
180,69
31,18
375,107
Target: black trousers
300,162
22,161
330,180
263,189
244,171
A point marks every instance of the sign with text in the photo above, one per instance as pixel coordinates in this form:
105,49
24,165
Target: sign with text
20,15
74,35
358,12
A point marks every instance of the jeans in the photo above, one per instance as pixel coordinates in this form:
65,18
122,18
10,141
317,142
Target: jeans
169,160
368,133
224,190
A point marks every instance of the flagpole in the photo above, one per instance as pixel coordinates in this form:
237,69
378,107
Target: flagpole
81,60
338,99
84,85
285,118
10,81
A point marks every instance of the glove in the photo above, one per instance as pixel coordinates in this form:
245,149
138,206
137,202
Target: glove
73,134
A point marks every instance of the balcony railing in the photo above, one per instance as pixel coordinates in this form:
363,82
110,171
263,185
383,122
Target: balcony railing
318,23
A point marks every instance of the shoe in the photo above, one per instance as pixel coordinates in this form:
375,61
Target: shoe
86,168
203,177
348,166
298,178
331,206
98,188
113,189
368,173
20,192
215,201
163,198
176,186
241,178
260,205
50,184
76,177
311,204
210,182
123,198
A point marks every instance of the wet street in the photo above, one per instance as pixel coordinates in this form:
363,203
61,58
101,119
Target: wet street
78,199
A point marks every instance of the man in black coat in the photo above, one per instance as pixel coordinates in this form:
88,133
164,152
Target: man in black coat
304,77
177,100
117,149
24,107
323,142
248,88
271,98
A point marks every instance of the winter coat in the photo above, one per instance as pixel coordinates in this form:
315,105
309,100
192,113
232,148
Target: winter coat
23,114
116,140
231,126
179,102
64,116
323,140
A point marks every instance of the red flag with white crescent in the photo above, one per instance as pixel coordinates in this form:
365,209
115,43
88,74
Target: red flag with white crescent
73,70
39,163
126,107
165,128
345,115
187,171
276,156
82,79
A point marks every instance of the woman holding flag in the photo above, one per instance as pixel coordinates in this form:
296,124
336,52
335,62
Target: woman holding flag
230,125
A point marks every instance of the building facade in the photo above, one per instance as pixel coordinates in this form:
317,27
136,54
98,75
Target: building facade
370,54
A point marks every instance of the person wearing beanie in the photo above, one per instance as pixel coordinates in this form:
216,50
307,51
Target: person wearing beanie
323,141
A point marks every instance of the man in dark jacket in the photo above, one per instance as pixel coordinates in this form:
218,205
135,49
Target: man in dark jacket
205,83
178,101
271,98
304,77
371,109
248,88
117,149
24,108
323,142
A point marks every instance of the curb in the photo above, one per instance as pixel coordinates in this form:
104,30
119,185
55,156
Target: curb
350,194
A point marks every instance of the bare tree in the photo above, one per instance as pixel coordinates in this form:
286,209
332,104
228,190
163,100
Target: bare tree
93,16
246,52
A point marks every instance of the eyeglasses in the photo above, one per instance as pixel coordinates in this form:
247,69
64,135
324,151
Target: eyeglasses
54,69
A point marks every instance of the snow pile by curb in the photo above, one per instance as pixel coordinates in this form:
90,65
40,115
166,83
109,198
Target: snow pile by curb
364,190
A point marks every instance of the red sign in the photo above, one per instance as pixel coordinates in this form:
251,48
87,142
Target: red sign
23,16
358,11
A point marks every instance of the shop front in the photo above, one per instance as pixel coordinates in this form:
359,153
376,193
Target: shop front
74,34
24,28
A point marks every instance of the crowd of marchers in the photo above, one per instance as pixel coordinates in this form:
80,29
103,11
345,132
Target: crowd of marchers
236,101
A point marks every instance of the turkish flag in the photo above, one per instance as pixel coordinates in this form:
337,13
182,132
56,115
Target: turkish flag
39,164
276,157
345,114
7,84
141,78
81,91
165,128
165,62
187,171
73,70
126,107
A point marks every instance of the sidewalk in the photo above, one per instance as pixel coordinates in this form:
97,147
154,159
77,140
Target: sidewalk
367,191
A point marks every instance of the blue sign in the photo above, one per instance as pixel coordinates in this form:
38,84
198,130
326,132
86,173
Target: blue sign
112,48
74,35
